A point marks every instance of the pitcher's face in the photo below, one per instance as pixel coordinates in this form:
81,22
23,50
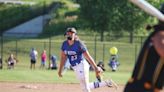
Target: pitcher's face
70,35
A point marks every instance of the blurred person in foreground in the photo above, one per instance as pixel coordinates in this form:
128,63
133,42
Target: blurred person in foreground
148,74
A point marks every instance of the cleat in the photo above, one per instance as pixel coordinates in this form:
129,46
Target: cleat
111,83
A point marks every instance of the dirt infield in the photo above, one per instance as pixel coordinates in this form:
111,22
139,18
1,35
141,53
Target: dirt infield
49,87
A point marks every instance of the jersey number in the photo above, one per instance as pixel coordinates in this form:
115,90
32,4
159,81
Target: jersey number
74,57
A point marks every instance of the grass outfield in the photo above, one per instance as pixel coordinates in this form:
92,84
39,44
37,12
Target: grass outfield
50,76
127,54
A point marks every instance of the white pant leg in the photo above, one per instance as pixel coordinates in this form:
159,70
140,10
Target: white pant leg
82,74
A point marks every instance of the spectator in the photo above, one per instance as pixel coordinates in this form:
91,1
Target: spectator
53,62
43,59
113,63
101,65
11,61
33,56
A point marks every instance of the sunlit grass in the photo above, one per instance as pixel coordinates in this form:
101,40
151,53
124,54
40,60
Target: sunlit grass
50,76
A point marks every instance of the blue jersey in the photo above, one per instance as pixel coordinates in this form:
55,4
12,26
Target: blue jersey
74,52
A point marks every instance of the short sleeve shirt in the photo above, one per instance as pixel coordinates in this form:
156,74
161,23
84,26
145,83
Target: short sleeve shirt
33,55
74,52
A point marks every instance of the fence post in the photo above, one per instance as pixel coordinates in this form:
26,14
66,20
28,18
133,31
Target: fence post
1,62
103,52
131,37
49,53
95,48
44,45
16,46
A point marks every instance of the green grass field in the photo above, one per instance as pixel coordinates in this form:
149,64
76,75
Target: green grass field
50,76
127,55
22,73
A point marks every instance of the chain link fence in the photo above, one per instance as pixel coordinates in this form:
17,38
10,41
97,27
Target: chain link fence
21,47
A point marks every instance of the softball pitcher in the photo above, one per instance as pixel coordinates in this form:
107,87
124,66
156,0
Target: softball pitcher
79,58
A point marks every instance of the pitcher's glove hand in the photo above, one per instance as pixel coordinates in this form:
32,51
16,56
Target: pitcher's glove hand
99,74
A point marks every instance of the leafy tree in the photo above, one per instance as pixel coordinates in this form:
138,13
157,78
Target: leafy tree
95,13
113,15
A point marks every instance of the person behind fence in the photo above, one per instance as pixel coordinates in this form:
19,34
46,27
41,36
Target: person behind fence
11,61
113,63
43,59
148,73
101,65
33,56
53,62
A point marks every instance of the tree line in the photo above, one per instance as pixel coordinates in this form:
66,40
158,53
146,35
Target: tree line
115,16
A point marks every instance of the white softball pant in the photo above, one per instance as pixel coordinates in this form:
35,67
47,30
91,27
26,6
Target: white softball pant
82,73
